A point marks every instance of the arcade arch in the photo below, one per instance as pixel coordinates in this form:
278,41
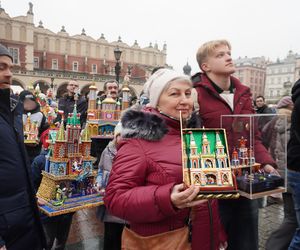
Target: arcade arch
61,90
42,84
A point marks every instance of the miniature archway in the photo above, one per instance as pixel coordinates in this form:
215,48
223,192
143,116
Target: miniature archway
61,90
42,84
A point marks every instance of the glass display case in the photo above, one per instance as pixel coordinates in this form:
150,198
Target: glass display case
254,141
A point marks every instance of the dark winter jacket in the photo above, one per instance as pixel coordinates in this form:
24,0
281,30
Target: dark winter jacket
265,110
293,156
18,209
66,104
147,166
213,106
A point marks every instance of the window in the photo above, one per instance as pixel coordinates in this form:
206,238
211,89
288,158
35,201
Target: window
54,64
36,62
75,66
279,80
15,54
94,68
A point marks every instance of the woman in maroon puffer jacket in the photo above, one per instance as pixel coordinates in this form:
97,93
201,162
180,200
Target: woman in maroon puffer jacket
145,186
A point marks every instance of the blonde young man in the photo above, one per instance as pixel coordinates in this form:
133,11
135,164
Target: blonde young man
219,93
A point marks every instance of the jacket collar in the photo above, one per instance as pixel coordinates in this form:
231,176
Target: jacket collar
147,125
201,79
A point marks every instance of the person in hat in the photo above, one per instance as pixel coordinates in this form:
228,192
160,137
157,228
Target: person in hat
145,185
33,112
20,226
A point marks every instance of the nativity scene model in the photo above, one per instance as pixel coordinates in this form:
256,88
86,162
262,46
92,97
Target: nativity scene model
104,115
68,182
221,172
206,163
31,131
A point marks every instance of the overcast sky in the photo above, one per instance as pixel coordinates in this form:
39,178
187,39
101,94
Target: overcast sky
267,28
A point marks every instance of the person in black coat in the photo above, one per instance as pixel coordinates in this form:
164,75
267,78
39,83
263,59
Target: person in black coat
262,108
20,226
293,161
67,102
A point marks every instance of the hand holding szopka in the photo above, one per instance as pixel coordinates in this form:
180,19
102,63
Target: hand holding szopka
183,198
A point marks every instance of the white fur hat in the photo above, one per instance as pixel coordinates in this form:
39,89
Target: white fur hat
158,81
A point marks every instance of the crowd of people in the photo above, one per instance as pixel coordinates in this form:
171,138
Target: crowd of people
146,203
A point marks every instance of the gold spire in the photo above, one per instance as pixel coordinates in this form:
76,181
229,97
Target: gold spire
93,87
85,136
61,132
125,86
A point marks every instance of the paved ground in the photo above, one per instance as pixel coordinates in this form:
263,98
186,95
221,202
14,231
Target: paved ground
87,233
270,218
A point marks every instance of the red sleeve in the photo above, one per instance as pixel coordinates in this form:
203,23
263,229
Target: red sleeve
128,196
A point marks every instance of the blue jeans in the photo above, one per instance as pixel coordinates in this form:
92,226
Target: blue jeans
240,220
293,178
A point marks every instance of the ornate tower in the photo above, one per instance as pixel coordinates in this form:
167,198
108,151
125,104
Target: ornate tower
59,150
73,133
125,93
221,157
85,142
92,101
194,157
108,108
205,144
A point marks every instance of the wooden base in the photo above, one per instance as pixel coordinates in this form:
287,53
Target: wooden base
262,194
71,205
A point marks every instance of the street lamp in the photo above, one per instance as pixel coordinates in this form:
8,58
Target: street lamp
117,53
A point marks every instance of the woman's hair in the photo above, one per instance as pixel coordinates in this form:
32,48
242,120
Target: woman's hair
208,48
